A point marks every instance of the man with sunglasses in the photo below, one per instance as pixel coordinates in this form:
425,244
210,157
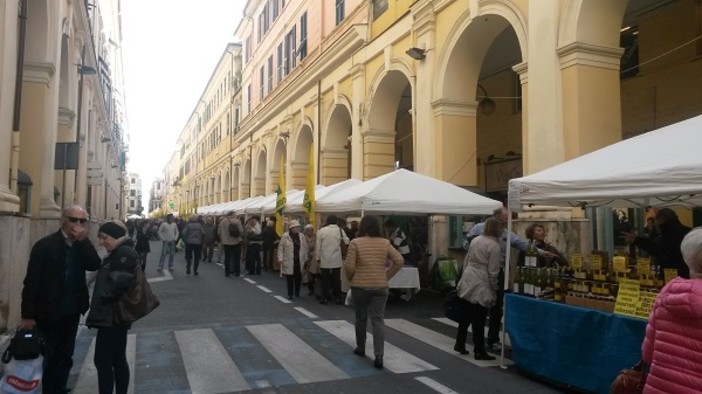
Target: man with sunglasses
55,293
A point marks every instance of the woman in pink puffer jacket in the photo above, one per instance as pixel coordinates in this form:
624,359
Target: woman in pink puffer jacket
673,343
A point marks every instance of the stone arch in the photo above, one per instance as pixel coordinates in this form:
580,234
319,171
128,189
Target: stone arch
391,142
245,181
300,151
595,22
279,152
336,144
259,181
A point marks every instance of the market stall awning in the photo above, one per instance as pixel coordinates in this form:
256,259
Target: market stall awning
266,205
659,168
407,192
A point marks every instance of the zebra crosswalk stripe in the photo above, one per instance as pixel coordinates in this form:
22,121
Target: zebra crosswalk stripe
209,367
301,361
437,340
452,323
395,359
87,379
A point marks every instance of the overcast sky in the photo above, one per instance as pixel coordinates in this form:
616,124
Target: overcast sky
170,48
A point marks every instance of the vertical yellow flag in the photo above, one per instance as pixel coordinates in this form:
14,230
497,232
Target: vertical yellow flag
309,204
280,200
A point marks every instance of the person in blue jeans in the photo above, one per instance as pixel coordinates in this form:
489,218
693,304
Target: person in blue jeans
168,232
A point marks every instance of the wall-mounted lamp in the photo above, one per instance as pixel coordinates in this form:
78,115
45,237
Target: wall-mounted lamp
486,104
417,53
86,70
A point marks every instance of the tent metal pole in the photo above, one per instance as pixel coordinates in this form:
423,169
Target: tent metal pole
505,286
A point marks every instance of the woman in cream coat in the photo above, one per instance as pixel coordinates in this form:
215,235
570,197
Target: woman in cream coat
292,254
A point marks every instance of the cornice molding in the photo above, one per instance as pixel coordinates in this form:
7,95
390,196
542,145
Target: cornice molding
593,55
66,116
38,72
522,69
451,107
423,18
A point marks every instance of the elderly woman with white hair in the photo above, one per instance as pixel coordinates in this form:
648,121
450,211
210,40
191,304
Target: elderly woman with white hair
674,331
292,254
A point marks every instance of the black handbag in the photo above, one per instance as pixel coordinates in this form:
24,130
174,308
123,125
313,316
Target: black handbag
452,306
137,302
25,345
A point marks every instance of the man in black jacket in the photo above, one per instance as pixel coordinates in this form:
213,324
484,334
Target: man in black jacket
665,248
55,293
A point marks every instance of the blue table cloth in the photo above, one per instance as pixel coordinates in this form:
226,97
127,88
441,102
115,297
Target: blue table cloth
577,347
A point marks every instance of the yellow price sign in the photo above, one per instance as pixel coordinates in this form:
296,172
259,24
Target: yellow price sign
596,262
646,300
670,274
643,266
628,297
619,263
576,261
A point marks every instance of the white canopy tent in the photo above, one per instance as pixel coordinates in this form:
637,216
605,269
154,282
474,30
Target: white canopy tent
294,205
266,205
407,192
294,201
657,169
660,168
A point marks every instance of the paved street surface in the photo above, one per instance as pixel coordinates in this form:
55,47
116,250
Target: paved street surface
214,334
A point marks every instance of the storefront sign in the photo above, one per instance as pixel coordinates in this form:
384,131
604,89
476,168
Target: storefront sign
628,298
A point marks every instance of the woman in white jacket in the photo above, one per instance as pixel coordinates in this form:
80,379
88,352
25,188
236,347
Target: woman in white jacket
477,287
292,254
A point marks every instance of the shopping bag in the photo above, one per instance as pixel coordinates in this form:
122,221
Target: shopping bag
349,299
630,381
22,376
452,306
137,302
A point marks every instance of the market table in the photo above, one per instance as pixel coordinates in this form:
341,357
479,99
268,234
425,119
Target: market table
570,345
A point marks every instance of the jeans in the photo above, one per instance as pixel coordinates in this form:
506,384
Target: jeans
232,259
370,302
59,340
496,311
191,249
111,359
207,251
331,284
167,249
472,314
253,259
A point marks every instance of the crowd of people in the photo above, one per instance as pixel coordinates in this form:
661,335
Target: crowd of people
55,293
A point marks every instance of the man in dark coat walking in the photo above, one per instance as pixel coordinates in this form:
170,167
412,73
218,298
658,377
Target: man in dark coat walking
55,293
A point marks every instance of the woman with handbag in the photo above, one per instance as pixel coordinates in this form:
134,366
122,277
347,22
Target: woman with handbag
113,280
477,288
674,330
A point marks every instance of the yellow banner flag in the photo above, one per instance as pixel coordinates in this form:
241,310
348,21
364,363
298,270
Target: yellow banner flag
280,200
309,204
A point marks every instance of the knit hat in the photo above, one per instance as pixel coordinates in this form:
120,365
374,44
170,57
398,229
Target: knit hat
113,229
294,223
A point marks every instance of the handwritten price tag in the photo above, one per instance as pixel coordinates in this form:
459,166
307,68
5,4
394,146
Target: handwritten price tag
619,264
643,266
627,297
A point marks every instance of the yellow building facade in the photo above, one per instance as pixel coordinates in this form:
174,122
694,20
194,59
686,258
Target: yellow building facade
471,92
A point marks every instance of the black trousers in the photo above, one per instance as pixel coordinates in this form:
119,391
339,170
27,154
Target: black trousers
253,259
111,360
496,311
190,250
331,284
476,315
208,251
268,256
60,341
294,281
142,260
232,259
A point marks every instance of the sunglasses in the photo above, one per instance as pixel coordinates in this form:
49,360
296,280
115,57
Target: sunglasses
76,220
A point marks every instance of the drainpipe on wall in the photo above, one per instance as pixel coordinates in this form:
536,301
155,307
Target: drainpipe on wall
14,153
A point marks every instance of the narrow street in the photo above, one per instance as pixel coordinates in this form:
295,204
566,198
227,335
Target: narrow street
217,334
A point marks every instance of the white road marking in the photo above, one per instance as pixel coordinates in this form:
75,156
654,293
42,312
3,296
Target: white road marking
253,282
434,385
452,323
264,288
301,361
166,276
437,340
208,366
283,300
395,359
306,312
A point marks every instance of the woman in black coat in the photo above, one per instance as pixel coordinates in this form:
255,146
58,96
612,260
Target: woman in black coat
142,243
113,279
